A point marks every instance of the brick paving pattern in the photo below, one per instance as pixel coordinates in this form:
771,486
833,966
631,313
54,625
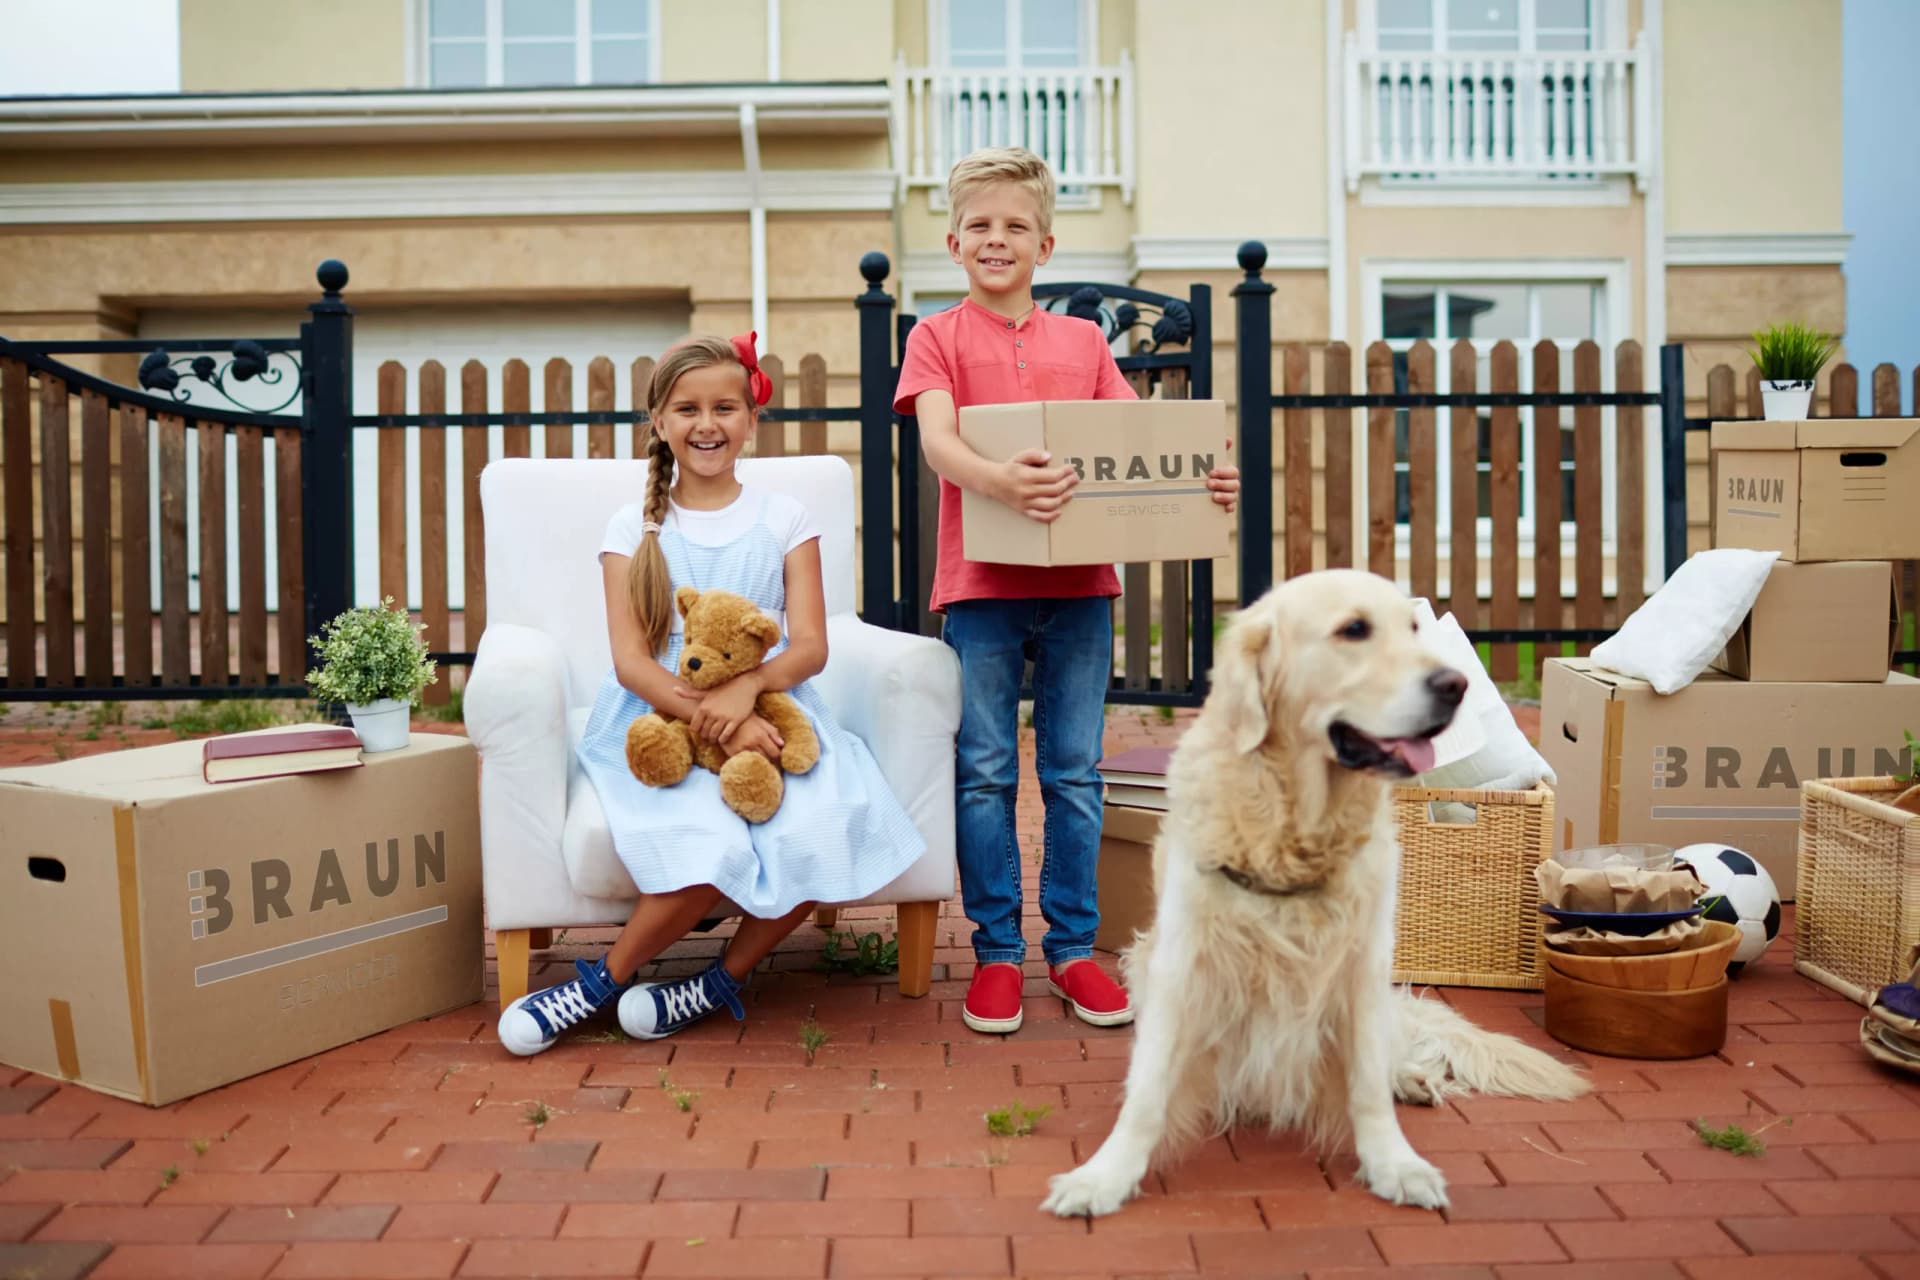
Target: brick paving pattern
727,1152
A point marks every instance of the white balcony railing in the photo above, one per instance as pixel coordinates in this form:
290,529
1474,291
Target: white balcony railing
1531,118
1079,118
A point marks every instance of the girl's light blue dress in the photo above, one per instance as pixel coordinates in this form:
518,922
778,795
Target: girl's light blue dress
840,833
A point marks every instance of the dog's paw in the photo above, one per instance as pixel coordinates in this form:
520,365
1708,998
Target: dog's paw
1086,1192
1417,1089
1407,1180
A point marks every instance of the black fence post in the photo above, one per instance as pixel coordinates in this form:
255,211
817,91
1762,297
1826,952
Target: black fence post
1200,572
1253,348
912,590
326,452
877,603
1673,452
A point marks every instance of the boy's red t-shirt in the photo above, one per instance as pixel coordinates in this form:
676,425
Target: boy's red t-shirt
982,358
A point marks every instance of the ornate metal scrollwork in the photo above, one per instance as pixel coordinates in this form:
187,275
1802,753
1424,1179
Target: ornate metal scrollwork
248,362
1169,325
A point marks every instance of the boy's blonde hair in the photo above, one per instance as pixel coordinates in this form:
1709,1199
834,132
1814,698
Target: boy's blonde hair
992,166
649,583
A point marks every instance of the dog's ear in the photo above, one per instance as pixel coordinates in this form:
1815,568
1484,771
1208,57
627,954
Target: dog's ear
1240,679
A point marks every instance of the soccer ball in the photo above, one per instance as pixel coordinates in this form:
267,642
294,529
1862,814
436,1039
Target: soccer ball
1742,893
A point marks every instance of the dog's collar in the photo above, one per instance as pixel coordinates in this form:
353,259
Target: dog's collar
1252,885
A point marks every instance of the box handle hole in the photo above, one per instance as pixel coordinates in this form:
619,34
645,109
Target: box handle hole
47,869
1568,732
1452,813
1863,459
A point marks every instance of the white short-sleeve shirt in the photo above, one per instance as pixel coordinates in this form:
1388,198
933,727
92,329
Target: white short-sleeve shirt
784,514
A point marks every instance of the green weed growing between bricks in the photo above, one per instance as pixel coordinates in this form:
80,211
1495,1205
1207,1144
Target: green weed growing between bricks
1016,1121
812,1037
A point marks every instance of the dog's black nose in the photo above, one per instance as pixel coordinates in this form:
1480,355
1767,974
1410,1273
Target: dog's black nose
693,664
1448,686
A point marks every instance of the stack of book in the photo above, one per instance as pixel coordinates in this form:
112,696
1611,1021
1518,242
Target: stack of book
1137,778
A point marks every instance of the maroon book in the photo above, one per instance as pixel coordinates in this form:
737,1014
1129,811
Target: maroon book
238,757
1139,767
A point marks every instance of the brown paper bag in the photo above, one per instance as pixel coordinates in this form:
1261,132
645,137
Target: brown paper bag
1616,889
1582,940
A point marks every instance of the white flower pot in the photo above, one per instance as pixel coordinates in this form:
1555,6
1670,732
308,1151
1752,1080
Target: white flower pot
382,725
1786,401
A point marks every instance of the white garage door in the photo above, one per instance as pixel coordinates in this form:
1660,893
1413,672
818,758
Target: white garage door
453,335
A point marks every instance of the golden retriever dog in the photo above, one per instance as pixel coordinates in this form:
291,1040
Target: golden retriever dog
1263,988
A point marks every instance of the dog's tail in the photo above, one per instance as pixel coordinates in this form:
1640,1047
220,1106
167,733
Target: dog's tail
1442,1052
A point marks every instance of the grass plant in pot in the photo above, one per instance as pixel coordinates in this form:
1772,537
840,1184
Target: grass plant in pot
373,660
1789,357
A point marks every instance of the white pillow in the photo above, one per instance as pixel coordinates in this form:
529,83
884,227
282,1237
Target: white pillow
1686,623
1504,760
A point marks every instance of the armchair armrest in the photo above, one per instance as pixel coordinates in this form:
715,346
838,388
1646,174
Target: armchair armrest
516,714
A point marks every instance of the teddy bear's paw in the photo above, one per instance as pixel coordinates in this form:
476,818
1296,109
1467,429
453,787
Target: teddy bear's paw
801,753
751,786
658,753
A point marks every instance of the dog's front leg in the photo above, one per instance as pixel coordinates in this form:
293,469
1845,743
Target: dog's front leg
1388,1162
1160,1046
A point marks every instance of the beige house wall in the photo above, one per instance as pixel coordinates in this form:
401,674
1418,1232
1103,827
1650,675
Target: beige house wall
837,39
715,41
232,46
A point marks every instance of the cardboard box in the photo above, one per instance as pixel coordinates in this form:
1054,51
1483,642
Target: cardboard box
1721,760
163,935
1124,875
1837,621
1142,494
1833,489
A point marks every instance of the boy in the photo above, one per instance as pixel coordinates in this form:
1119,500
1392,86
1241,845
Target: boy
997,347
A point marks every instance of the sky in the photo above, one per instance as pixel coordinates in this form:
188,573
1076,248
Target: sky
89,46
1880,184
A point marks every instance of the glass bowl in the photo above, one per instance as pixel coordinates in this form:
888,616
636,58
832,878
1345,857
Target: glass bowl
1640,857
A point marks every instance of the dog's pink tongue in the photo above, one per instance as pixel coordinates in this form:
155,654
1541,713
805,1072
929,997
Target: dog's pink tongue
1417,752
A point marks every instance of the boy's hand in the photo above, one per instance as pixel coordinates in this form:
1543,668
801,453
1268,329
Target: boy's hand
757,734
1035,489
1225,483
722,711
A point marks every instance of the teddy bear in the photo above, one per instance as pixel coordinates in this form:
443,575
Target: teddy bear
725,635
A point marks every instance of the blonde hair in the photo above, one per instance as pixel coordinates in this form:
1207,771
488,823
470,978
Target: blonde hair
995,166
649,582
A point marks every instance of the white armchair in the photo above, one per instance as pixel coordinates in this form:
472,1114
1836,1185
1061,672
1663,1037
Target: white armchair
546,855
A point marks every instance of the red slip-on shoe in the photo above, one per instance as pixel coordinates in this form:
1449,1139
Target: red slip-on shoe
1091,994
993,999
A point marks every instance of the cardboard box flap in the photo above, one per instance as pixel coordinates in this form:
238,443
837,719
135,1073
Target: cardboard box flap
1857,433
1754,435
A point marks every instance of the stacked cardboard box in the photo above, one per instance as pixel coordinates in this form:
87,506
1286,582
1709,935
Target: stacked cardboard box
1804,688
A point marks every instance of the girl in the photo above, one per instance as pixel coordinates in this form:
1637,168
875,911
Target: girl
839,833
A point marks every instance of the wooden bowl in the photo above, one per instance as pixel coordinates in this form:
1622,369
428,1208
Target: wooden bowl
1698,964
1636,1024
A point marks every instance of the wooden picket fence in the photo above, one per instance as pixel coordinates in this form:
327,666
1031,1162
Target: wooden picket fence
771,440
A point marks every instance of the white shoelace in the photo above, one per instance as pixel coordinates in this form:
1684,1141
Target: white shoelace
686,1002
564,1005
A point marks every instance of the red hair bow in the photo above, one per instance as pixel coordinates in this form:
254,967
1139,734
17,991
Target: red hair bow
757,380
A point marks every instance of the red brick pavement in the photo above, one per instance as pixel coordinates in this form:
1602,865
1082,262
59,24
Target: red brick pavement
410,1153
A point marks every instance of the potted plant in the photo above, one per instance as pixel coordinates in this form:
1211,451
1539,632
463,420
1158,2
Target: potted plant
374,660
1789,356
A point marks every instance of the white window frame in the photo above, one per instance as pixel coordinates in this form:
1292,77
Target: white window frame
1607,26
939,28
1614,317
420,45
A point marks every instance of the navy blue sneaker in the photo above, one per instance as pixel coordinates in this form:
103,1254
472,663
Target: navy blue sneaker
655,1010
535,1020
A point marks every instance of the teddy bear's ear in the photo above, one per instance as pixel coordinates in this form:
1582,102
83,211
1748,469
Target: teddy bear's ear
685,597
764,629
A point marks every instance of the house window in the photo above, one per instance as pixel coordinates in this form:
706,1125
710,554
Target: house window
474,44
1484,26
1014,35
1486,312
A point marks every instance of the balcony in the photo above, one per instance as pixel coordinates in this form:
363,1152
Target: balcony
1497,119
1079,118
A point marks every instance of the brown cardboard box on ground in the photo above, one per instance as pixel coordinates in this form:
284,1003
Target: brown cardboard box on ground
1142,494
1721,760
1832,489
1834,621
1124,875
162,935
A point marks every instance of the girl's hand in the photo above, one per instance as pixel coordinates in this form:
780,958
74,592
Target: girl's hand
723,710
1225,483
757,734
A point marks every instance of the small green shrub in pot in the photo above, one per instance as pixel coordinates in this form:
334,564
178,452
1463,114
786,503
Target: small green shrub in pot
374,660
1789,357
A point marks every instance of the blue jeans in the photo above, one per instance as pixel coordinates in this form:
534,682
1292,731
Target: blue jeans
1071,644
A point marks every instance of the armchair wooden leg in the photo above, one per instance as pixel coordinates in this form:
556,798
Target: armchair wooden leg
824,917
539,939
511,947
914,927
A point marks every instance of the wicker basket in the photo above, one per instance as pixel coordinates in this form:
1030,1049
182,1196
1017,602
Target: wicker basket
1469,906
1858,914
